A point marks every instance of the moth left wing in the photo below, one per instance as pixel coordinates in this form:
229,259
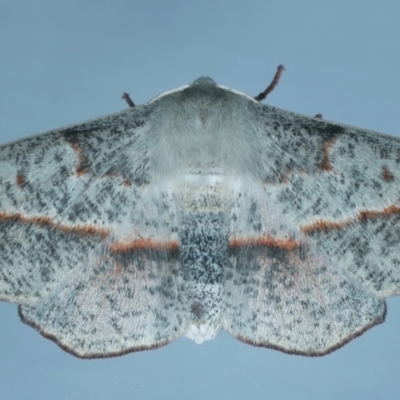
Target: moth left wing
87,247
118,302
62,194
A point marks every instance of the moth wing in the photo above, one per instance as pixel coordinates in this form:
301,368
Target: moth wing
118,303
59,199
296,301
87,247
285,292
341,186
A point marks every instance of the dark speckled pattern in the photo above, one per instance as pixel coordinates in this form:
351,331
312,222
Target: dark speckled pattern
202,210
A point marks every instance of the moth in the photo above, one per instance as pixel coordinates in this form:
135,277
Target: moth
199,211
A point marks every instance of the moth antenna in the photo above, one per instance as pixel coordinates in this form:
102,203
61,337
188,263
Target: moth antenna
272,85
128,99
319,116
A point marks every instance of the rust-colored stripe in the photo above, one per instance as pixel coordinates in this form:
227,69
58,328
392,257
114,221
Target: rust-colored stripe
387,174
326,149
144,244
21,180
326,225
83,230
386,212
267,241
80,170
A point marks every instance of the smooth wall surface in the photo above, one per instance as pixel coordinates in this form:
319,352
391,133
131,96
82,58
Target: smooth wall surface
66,62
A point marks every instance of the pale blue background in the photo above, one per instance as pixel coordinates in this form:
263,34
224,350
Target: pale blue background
63,62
